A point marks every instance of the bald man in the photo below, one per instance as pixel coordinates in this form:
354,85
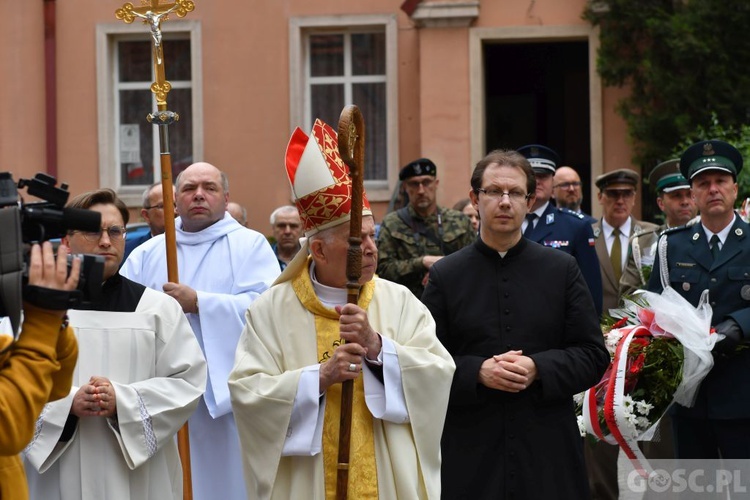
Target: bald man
223,268
238,212
568,191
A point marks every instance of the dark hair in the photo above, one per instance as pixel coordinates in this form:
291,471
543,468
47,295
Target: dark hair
103,196
461,204
507,158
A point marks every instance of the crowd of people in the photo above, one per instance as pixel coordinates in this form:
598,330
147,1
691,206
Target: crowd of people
472,329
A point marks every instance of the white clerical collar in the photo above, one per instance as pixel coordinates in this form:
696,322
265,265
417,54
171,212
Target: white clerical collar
721,234
327,295
624,229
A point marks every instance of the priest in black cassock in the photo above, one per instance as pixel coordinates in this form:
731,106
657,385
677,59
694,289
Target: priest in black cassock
521,325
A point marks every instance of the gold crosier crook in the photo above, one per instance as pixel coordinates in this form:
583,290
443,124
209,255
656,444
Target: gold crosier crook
352,150
153,14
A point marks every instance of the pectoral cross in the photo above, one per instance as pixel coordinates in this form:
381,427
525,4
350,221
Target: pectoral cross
153,14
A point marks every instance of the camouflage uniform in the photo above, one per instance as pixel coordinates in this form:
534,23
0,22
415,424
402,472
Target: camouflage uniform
400,253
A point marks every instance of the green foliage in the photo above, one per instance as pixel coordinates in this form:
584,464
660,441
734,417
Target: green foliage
738,136
683,61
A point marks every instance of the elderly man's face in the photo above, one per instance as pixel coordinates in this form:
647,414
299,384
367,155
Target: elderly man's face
154,213
201,199
335,249
617,201
287,229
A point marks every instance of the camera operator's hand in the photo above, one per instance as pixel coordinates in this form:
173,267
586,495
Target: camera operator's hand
732,337
51,273
186,296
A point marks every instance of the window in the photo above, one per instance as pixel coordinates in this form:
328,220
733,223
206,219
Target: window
341,61
129,158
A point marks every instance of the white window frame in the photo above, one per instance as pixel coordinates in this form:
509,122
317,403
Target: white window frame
299,97
107,36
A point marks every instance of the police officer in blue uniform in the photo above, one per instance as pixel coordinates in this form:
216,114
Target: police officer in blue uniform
560,228
714,255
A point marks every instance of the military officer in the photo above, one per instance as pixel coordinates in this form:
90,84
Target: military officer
414,237
714,255
674,199
613,231
560,228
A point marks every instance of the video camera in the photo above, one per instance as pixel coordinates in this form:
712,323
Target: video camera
23,224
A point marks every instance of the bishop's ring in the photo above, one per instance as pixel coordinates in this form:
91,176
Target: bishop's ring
352,367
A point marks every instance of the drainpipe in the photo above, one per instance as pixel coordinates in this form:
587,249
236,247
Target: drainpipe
50,85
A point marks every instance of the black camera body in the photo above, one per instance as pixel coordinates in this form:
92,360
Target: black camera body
24,224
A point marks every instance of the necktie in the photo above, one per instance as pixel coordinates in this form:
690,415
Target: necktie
615,255
529,224
715,246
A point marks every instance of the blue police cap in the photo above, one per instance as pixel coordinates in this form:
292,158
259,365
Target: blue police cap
666,177
542,159
710,155
422,166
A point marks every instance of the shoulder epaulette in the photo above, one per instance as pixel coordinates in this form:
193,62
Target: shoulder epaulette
676,229
570,212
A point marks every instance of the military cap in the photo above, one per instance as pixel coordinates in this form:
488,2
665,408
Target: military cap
620,176
542,159
666,177
422,166
710,155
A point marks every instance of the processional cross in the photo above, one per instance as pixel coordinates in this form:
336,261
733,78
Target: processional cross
153,13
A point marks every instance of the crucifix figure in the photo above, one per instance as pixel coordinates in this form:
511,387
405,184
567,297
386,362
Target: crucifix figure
153,14
154,21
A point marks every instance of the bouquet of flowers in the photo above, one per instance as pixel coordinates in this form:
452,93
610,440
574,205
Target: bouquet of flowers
661,351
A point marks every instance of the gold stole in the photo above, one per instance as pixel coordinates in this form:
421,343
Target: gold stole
363,478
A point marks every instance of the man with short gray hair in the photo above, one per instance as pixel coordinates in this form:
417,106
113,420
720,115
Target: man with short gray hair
287,229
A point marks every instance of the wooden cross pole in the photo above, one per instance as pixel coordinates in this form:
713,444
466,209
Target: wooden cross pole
153,13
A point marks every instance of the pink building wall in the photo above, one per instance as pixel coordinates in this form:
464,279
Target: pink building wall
246,91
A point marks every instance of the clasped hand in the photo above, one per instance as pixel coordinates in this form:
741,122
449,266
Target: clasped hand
361,341
510,372
95,399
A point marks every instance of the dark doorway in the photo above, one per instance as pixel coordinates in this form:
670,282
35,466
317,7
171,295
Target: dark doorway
538,93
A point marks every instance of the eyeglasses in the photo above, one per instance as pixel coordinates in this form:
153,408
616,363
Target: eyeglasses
160,206
497,194
115,233
414,184
614,194
567,185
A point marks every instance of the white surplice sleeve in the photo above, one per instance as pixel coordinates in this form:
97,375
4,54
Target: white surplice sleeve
384,400
151,411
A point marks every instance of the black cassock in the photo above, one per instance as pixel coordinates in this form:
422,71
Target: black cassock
526,445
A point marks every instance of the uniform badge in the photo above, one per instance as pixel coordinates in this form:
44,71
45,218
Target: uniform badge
696,236
738,231
708,149
550,219
686,287
597,232
685,264
745,292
